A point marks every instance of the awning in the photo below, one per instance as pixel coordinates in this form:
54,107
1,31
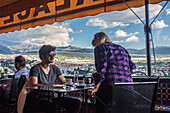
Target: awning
22,14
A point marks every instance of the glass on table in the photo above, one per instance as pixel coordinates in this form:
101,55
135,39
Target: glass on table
6,76
69,82
81,82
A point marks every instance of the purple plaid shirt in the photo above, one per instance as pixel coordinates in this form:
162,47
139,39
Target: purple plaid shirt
112,62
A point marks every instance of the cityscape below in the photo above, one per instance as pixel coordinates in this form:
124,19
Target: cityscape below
85,66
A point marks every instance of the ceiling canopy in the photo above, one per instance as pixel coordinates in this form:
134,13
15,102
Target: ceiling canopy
22,14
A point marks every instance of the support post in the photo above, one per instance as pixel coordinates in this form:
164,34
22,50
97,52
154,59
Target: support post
147,30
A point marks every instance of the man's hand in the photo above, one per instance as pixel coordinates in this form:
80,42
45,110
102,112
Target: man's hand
1,85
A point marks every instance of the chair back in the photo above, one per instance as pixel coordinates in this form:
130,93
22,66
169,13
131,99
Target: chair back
13,92
142,96
21,83
12,95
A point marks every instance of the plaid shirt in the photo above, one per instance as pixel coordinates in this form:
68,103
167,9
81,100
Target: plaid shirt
112,62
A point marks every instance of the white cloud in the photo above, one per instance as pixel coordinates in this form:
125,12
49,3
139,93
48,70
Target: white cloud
89,47
96,22
132,39
103,24
136,33
124,25
122,18
168,11
78,31
159,25
55,34
165,38
121,33
118,41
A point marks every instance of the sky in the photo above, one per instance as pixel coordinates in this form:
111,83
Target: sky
122,27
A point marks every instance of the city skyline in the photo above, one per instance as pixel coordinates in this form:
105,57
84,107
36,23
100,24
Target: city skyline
122,27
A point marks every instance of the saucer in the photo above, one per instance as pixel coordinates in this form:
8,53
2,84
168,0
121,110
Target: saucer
59,86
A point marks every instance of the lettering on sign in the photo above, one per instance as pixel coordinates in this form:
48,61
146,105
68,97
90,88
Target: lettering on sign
53,9
44,8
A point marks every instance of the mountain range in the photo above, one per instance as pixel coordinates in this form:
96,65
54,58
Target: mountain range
28,48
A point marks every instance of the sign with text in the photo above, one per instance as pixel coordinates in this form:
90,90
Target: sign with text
60,10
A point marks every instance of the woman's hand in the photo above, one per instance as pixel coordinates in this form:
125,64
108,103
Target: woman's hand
94,90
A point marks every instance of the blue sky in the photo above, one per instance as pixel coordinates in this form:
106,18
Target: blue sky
121,26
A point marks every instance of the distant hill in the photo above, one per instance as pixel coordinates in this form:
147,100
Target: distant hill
25,48
28,48
74,49
162,50
7,43
5,50
158,50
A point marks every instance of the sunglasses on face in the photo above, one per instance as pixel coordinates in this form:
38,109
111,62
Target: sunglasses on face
51,54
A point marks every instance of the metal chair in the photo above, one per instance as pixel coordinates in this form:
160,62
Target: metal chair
141,98
21,83
29,109
139,73
11,102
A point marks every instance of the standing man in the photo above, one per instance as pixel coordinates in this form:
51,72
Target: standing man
46,73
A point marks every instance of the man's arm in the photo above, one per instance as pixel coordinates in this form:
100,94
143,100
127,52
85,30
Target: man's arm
33,82
62,79
60,76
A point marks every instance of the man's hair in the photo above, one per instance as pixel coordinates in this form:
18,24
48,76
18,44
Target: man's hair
20,60
99,36
45,49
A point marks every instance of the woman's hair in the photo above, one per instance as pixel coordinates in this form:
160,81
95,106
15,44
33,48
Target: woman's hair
100,36
20,60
